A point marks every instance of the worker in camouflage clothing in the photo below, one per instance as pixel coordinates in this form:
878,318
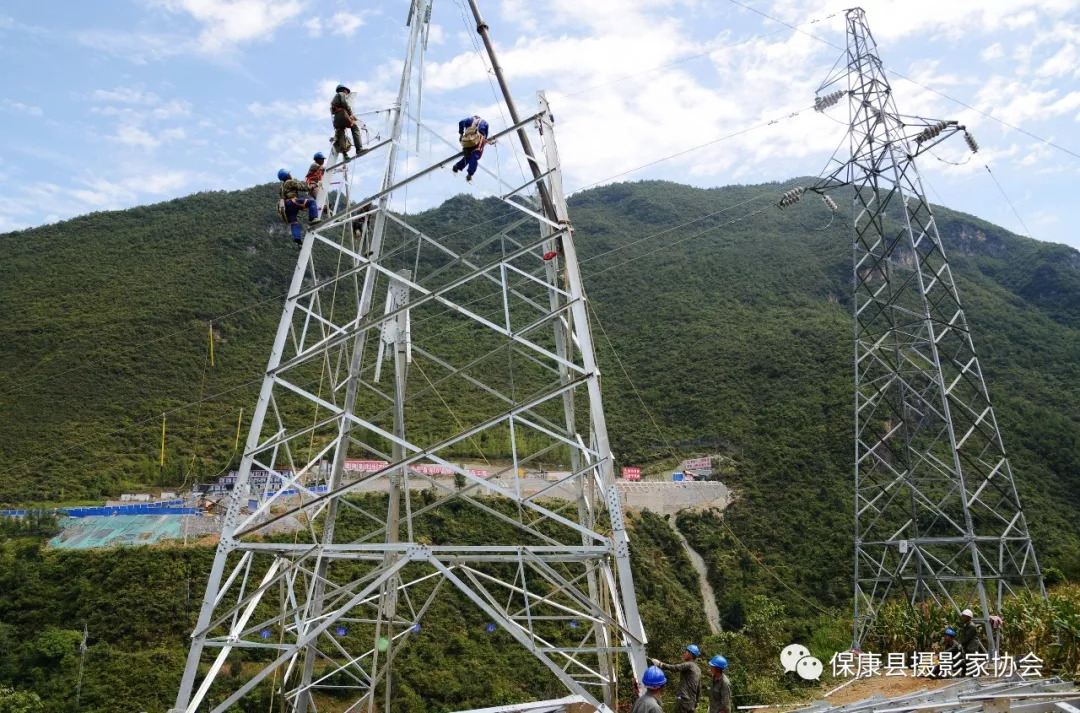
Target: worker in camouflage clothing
293,199
969,634
952,652
654,681
689,679
720,690
344,118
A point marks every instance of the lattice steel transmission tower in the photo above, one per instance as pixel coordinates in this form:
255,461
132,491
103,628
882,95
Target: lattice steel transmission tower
485,334
937,515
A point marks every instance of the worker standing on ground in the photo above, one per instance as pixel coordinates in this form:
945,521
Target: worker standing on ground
969,634
689,679
649,702
293,199
472,133
344,119
720,690
315,174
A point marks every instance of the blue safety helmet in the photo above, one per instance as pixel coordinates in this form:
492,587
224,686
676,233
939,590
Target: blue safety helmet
718,662
654,677
317,156
342,87
950,632
692,648
282,174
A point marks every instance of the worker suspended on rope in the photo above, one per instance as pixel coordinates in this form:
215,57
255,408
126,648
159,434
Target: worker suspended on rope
315,174
472,133
294,199
344,118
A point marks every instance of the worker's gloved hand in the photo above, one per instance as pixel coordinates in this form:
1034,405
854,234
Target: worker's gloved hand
655,662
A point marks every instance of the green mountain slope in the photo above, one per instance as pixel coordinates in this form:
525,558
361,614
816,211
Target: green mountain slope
139,605
738,340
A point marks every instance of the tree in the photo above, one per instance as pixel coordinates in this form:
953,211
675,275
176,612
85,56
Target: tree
12,701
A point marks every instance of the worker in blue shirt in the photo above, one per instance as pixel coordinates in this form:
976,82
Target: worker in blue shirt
472,133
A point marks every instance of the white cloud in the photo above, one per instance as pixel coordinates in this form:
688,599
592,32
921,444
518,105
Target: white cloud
599,63
172,109
20,108
227,23
124,95
892,20
1018,102
993,52
346,23
1064,61
161,183
134,136
136,47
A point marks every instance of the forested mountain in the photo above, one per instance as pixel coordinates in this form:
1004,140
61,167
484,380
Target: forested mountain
738,339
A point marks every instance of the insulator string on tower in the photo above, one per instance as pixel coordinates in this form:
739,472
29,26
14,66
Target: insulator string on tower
931,132
792,197
823,103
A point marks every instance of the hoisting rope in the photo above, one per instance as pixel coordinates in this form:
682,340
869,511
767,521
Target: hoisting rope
239,419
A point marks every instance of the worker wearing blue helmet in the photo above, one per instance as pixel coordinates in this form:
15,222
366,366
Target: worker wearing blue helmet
654,681
293,199
720,690
314,176
951,652
689,679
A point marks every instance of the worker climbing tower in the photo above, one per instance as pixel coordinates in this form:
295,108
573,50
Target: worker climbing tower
937,515
411,349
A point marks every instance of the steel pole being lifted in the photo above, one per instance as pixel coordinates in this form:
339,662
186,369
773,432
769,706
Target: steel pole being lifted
534,166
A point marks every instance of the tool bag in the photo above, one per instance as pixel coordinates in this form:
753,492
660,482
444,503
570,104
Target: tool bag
471,137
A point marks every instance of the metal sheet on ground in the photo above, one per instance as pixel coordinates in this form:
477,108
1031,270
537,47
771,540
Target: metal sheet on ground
94,532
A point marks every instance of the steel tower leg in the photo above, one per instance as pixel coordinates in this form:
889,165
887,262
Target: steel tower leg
307,585
937,515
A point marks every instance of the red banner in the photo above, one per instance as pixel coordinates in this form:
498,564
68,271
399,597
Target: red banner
631,472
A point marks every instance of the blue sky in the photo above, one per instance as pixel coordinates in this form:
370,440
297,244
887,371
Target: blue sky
114,103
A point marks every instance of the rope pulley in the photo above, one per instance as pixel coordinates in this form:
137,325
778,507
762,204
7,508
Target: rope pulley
792,197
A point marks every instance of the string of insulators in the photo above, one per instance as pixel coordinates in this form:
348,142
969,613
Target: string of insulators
931,131
823,103
971,142
830,203
792,197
